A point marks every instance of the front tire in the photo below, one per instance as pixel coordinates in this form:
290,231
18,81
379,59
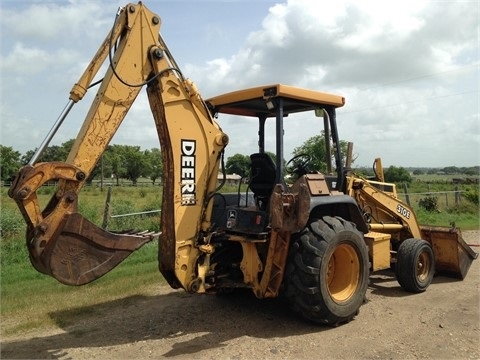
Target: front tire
415,265
327,273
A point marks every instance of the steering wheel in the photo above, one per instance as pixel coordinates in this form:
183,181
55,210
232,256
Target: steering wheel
299,164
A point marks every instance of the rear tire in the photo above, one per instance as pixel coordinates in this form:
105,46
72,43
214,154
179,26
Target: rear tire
415,265
327,273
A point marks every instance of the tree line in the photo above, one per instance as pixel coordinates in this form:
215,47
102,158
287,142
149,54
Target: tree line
117,162
131,163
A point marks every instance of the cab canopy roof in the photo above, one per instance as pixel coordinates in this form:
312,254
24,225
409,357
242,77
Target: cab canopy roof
262,101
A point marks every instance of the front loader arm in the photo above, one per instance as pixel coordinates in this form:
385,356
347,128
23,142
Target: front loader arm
387,213
61,242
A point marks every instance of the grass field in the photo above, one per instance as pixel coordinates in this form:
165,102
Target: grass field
28,297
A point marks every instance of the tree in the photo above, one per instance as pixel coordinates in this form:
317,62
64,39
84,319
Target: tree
451,170
134,162
274,157
59,153
238,164
315,147
9,163
112,162
26,157
472,171
51,153
154,164
397,175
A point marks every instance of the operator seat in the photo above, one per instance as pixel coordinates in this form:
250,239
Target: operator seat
262,178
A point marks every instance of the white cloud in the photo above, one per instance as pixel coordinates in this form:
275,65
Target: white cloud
13,128
373,44
28,60
138,126
47,21
408,70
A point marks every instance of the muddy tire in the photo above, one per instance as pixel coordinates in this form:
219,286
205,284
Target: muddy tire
327,272
415,265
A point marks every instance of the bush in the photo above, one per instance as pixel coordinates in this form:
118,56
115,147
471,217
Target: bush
13,251
11,223
471,195
46,190
429,203
122,207
152,206
90,212
463,207
397,175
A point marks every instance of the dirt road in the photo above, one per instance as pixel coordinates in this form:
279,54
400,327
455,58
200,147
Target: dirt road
442,323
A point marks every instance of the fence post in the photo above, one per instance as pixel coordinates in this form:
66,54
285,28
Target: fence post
457,195
407,196
106,212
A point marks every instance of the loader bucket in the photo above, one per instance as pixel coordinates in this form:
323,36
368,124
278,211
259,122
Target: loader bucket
453,256
80,252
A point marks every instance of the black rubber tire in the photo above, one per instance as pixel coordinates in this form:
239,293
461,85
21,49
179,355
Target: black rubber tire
326,278
415,266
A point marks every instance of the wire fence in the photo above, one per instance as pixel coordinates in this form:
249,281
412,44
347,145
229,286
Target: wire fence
443,199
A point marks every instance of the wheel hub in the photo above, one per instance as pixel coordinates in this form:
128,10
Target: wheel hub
343,273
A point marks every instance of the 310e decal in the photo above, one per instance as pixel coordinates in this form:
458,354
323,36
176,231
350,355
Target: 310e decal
403,211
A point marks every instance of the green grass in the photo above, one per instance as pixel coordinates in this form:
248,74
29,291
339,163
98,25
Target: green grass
451,207
464,221
28,297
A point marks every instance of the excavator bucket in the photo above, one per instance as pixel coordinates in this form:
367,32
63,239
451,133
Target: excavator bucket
80,252
453,256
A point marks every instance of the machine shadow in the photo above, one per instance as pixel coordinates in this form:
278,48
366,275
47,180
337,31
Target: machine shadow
213,320
188,323
384,283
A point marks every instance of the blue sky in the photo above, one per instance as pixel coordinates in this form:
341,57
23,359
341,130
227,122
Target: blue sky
409,70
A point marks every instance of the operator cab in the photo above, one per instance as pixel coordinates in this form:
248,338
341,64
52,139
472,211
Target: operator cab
249,212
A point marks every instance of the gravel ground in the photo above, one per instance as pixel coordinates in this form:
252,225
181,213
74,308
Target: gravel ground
441,323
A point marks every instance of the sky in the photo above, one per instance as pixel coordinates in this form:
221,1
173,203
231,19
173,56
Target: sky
409,70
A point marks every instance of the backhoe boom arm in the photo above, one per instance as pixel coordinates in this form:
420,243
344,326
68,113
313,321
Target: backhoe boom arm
70,248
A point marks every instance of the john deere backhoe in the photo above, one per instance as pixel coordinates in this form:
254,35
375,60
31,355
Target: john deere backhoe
315,240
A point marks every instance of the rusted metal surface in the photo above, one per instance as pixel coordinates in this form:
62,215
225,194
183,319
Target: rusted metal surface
81,252
275,266
453,256
166,245
30,178
289,211
60,241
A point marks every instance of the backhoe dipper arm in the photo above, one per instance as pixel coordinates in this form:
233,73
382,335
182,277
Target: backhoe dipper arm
70,248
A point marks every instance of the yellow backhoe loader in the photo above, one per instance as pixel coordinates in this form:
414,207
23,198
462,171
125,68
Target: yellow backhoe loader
315,240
